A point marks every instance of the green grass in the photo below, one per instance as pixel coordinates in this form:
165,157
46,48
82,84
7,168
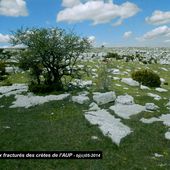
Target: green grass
36,129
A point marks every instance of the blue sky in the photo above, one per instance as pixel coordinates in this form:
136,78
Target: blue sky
113,23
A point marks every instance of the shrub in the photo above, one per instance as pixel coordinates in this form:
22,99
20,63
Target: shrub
147,78
112,55
51,53
41,88
2,70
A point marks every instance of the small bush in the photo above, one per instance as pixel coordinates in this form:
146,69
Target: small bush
2,70
147,78
112,55
41,88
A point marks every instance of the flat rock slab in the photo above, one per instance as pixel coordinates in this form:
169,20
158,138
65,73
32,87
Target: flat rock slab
108,124
155,96
31,100
81,99
125,99
125,111
103,98
94,107
13,90
142,87
151,106
161,90
130,82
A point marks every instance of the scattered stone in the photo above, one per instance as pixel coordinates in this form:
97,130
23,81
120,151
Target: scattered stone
94,138
114,71
144,87
13,90
125,100
151,120
125,88
161,90
108,124
164,69
151,106
155,96
94,107
32,100
82,84
118,85
125,111
6,127
130,82
103,98
162,80
81,99
116,78
167,135
158,155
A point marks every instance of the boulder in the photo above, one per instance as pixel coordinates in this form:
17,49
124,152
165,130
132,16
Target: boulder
103,98
130,82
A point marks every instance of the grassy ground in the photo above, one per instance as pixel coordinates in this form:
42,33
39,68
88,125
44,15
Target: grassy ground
36,129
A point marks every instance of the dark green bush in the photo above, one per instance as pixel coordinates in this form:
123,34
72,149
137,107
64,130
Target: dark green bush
2,70
112,55
147,78
41,88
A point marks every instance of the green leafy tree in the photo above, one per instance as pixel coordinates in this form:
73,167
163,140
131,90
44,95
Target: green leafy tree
50,53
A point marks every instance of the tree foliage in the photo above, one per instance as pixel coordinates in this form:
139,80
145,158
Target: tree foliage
50,54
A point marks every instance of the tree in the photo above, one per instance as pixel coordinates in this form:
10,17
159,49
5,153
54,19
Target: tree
50,54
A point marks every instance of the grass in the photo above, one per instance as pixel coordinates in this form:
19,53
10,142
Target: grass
36,129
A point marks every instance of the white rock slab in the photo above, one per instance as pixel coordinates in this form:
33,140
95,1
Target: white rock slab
125,99
166,119
103,98
162,80
31,100
158,155
151,106
125,111
142,87
151,120
161,89
81,99
94,107
167,135
130,82
108,124
13,90
116,78
82,83
155,96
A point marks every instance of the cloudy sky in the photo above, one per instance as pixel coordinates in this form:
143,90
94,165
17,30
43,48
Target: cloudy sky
109,22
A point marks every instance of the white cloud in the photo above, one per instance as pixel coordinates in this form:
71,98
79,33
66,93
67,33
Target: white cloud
70,3
127,34
98,11
167,41
92,39
13,8
155,33
158,18
4,38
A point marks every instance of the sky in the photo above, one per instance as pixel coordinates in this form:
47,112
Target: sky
113,23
